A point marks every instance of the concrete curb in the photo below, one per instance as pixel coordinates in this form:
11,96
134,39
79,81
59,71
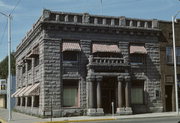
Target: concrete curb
114,118
144,117
86,120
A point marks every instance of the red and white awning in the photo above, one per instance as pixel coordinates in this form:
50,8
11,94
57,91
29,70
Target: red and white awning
69,46
105,48
136,49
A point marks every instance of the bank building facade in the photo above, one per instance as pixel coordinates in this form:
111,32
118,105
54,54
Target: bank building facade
81,64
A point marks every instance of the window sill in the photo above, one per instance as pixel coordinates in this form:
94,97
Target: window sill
136,63
70,61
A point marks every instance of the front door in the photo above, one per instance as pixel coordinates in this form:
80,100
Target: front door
168,93
108,94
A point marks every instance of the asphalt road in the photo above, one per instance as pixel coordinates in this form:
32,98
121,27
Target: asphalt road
146,120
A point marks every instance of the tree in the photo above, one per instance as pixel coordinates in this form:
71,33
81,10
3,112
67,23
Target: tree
4,67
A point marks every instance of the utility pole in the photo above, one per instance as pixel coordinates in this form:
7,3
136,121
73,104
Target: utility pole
175,70
9,66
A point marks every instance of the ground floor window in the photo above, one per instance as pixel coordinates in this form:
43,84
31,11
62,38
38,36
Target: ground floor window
18,101
137,92
36,101
23,101
29,101
70,93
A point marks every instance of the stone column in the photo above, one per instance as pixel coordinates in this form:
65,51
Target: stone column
17,101
26,73
128,95
91,95
32,102
120,99
21,101
91,108
98,94
98,90
33,70
26,101
120,108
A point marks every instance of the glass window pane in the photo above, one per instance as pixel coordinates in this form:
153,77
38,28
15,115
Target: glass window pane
137,95
70,97
70,56
178,55
169,55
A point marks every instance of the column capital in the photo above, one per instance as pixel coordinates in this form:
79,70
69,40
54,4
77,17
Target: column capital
120,78
127,78
99,78
90,79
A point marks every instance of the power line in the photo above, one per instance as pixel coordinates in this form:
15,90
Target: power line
15,7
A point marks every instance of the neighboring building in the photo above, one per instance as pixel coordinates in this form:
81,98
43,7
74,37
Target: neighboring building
3,93
167,64
85,62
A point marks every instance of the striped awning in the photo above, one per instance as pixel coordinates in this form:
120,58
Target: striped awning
34,52
69,46
19,92
105,48
34,90
135,49
25,90
13,95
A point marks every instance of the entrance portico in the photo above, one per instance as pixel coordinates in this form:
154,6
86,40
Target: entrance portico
103,90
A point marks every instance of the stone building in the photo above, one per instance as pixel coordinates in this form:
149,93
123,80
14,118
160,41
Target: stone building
84,63
167,67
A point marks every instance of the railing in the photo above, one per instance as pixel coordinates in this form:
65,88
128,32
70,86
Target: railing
105,61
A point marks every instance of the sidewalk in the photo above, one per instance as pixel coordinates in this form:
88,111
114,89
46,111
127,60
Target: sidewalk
23,118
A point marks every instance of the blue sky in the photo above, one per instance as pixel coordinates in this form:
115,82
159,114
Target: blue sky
28,11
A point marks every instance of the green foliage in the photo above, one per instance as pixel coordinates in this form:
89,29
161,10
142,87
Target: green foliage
4,67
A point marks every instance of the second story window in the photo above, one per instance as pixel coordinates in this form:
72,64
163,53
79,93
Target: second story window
23,69
70,51
70,56
138,59
36,61
169,55
138,53
29,63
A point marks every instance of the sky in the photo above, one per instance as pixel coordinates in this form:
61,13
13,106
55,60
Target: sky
27,12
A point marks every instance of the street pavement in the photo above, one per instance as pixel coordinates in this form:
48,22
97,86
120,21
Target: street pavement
23,118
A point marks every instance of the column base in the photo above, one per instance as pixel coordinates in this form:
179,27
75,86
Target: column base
91,112
99,111
95,112
124,111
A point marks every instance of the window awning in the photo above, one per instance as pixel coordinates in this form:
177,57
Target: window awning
69,46
135,49
13,95
34,90
19,92
105,48
25,90
34,52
